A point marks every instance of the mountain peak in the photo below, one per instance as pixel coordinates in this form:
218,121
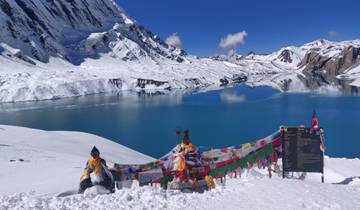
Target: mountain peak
76,29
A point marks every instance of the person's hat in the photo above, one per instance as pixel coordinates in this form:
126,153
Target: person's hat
95,151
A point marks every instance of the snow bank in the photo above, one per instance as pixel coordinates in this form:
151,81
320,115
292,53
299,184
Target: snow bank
251,192
52,162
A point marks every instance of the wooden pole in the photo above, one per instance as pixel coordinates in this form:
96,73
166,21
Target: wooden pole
322,174
283,151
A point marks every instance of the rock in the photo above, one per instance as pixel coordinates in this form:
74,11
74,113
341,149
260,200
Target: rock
285,56
285,84
142,83
238,78
224,82
116,82
193,82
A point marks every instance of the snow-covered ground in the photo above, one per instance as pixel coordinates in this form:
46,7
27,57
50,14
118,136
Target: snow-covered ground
52,162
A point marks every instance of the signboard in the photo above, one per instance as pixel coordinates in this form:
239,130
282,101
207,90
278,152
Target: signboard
301,150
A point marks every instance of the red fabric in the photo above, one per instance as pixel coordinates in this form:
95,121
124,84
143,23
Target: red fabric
262,143
274,157
277,142
203,171
181,175
226,162
224,150
314,121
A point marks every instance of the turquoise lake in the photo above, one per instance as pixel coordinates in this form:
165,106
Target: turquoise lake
231,116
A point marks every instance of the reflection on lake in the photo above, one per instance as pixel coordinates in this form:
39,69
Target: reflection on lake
147,122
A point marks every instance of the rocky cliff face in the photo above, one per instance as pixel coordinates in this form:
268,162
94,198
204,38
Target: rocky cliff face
286,56
64,28
43,28
322,68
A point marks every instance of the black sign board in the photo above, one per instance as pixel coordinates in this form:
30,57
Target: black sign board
301,150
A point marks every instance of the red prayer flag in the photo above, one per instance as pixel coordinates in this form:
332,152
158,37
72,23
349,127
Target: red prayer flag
314,121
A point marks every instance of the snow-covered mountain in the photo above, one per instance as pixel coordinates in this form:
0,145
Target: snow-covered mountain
55,49
316,65
61,48
75,29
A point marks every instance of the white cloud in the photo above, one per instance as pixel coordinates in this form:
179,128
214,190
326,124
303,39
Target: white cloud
174,39
233,40
332,33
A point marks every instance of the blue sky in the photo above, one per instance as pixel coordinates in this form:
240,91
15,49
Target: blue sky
269,24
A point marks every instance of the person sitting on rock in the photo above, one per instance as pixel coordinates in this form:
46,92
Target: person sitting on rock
96,173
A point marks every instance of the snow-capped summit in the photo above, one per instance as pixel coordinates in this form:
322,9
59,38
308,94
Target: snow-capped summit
128,41
41,29
232,56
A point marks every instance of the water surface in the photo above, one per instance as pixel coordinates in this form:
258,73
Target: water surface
217,118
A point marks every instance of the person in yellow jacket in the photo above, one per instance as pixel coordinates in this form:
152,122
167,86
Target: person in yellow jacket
180,165
96,173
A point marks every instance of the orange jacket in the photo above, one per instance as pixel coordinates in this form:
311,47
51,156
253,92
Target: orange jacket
181,164
189,148
92,165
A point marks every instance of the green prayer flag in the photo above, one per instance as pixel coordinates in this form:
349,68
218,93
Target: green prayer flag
251,158
261,154
268,149
243,163
232,166
164,181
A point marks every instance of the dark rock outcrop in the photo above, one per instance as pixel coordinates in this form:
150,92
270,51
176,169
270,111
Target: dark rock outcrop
235,79
285,84
116,82
320,69
224,82
238,78
142,83
285,56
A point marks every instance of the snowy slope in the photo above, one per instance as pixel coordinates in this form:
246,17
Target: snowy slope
41,29
53,161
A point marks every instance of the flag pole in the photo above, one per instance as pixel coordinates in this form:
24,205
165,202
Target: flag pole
282,130
323,152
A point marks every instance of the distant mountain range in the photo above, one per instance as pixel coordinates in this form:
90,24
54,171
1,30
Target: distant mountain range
61,48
